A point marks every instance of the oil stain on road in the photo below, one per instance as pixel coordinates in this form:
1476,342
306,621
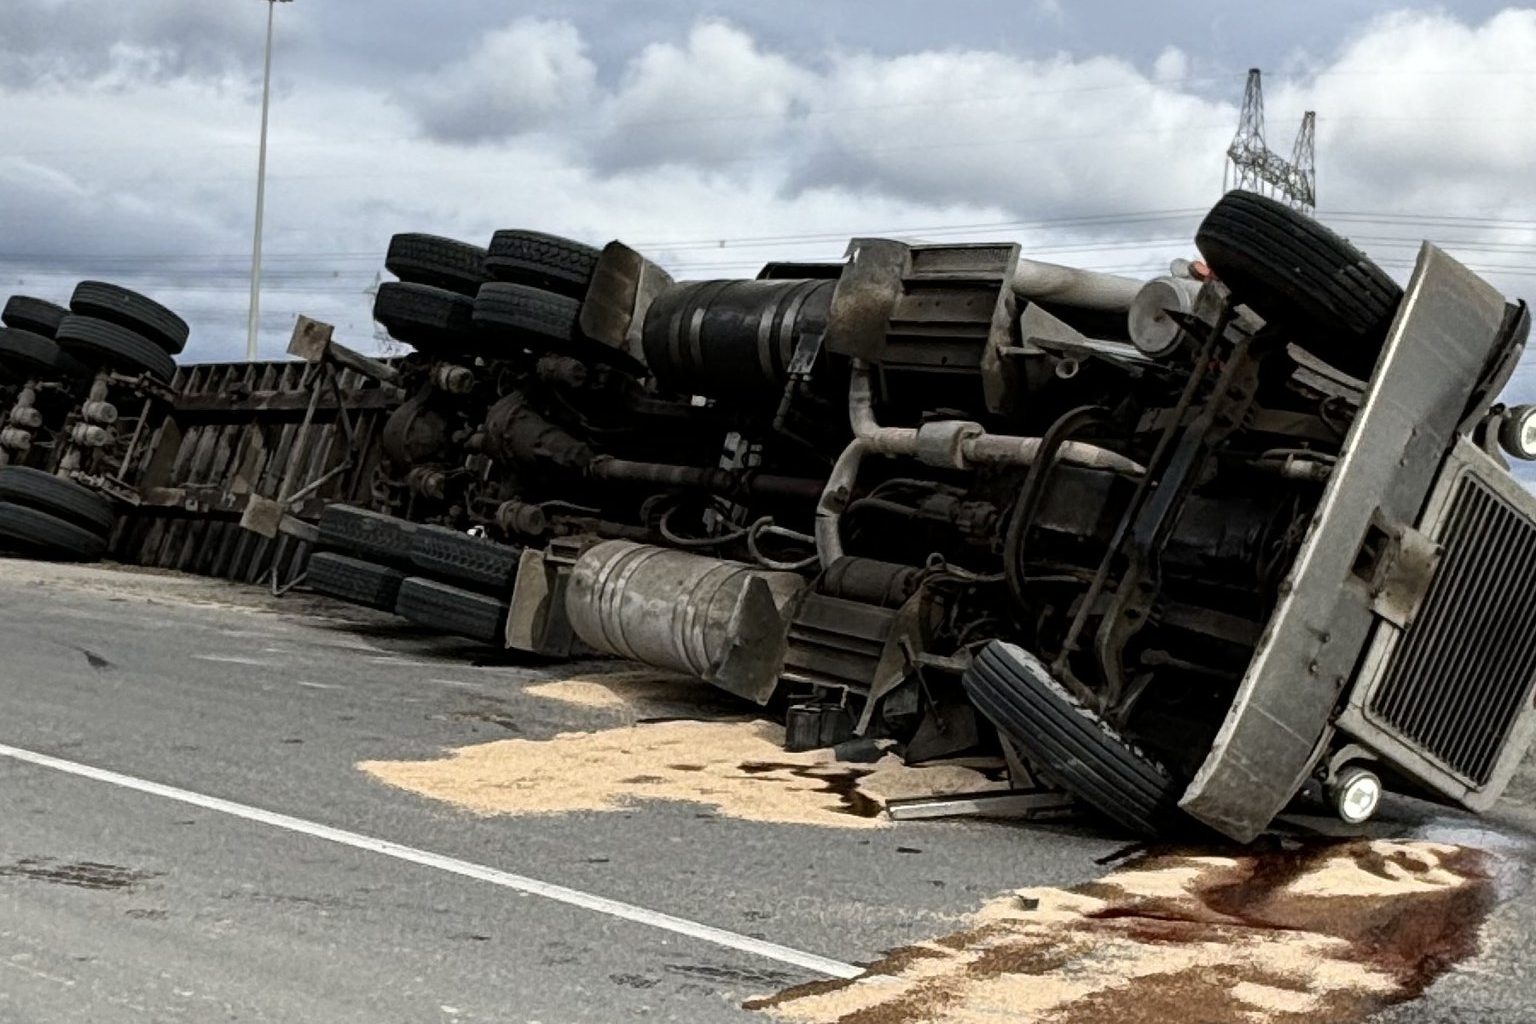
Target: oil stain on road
1330,932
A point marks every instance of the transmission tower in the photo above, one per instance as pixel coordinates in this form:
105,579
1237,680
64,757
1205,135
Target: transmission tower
1253,166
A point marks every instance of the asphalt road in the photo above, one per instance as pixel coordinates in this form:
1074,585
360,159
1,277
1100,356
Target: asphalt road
123,905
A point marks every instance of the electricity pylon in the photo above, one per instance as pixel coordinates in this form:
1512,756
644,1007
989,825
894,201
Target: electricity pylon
1253,166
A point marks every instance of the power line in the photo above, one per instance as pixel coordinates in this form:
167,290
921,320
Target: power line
751,241
296,274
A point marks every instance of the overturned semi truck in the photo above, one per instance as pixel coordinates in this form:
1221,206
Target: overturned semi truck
1181,548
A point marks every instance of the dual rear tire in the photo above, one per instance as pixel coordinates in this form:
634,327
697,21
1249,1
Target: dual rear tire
105,327
433,576
48,517
458,300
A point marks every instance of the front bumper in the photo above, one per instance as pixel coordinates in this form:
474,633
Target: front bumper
1447,330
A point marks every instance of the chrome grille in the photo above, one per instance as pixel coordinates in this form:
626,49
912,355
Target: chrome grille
1464,669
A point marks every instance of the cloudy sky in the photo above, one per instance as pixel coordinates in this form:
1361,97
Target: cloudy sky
717,135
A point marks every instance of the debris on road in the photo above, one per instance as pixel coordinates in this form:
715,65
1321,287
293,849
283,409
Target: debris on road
739,768
1329,932
634,696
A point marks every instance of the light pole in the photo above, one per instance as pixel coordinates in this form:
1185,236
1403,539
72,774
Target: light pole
253,324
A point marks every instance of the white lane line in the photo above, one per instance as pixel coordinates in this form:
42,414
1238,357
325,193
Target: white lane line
458,685
452,865
17,964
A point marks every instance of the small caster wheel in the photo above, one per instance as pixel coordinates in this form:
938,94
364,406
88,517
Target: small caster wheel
1355,793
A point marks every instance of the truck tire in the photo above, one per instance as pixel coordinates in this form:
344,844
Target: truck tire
455,557
97,343
138,313
439,262
37,534
1299,275
65,499
453,610
432,320
354,580
36,315
371,536
27,355
1081,753
522,313
545,261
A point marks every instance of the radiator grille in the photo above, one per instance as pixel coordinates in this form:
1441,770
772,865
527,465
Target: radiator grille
1464,669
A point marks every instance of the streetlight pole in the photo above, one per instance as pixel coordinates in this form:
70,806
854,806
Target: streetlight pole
253,324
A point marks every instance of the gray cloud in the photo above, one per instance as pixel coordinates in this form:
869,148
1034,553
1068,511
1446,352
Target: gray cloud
518,78
68,43
1074,136
715,99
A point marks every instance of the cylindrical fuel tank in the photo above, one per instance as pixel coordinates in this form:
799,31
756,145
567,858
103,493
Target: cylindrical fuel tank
732,339
669,609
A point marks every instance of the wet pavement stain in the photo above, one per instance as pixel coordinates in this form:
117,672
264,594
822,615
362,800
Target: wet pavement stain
503,721
729,975
1321,932
841,780
79,874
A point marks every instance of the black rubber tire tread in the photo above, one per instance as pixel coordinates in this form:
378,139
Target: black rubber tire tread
1297,273
354,580
40,535
33,488
432,320
545,261
39,316
522,312
27,355
99,343
1046,711
126,308
439,262
453,610
371,536
1082,754
454,557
